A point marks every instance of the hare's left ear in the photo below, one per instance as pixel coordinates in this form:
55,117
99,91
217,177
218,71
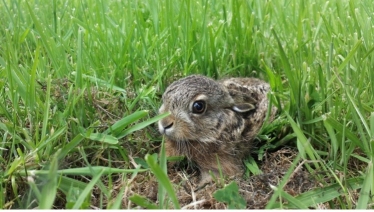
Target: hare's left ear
243,107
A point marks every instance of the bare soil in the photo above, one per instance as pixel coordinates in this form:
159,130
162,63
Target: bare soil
256,190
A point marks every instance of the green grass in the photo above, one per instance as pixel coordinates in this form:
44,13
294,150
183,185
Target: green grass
80,81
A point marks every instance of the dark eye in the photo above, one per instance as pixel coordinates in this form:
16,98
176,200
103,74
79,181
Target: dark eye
198,107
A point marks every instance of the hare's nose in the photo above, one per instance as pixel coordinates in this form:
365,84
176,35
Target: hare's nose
166,125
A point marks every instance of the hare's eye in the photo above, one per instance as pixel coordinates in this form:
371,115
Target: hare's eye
198,107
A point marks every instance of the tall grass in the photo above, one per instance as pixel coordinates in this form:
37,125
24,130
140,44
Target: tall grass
80,80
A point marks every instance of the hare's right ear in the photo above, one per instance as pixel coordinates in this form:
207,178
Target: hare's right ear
243,101
243,107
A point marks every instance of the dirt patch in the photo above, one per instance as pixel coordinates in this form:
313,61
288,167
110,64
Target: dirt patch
256,190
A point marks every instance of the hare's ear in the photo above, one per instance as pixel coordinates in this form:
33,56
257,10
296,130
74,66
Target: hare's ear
243,107
243,101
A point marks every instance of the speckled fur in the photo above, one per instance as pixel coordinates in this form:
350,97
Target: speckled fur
221,130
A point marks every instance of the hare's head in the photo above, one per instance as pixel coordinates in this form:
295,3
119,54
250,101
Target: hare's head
200,107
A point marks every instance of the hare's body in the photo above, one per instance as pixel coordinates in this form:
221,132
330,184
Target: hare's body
213,120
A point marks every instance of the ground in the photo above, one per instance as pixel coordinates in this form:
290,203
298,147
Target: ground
256,190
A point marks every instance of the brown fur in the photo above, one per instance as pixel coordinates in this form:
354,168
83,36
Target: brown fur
235,111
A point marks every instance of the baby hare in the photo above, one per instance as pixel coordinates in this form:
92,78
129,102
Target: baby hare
213,119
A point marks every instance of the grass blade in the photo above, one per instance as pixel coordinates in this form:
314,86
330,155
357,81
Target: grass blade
101,137
88,189
46,106
71,145
87,171
345,131
66,183
143,124
48,42
118,201
291,200
333,139
162,179
117,127
163,166
31,85
303,143
101,82
350,56
49,190
321,195
142,202
366,189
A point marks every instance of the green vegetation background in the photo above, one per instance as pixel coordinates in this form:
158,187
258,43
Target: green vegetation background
80,85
